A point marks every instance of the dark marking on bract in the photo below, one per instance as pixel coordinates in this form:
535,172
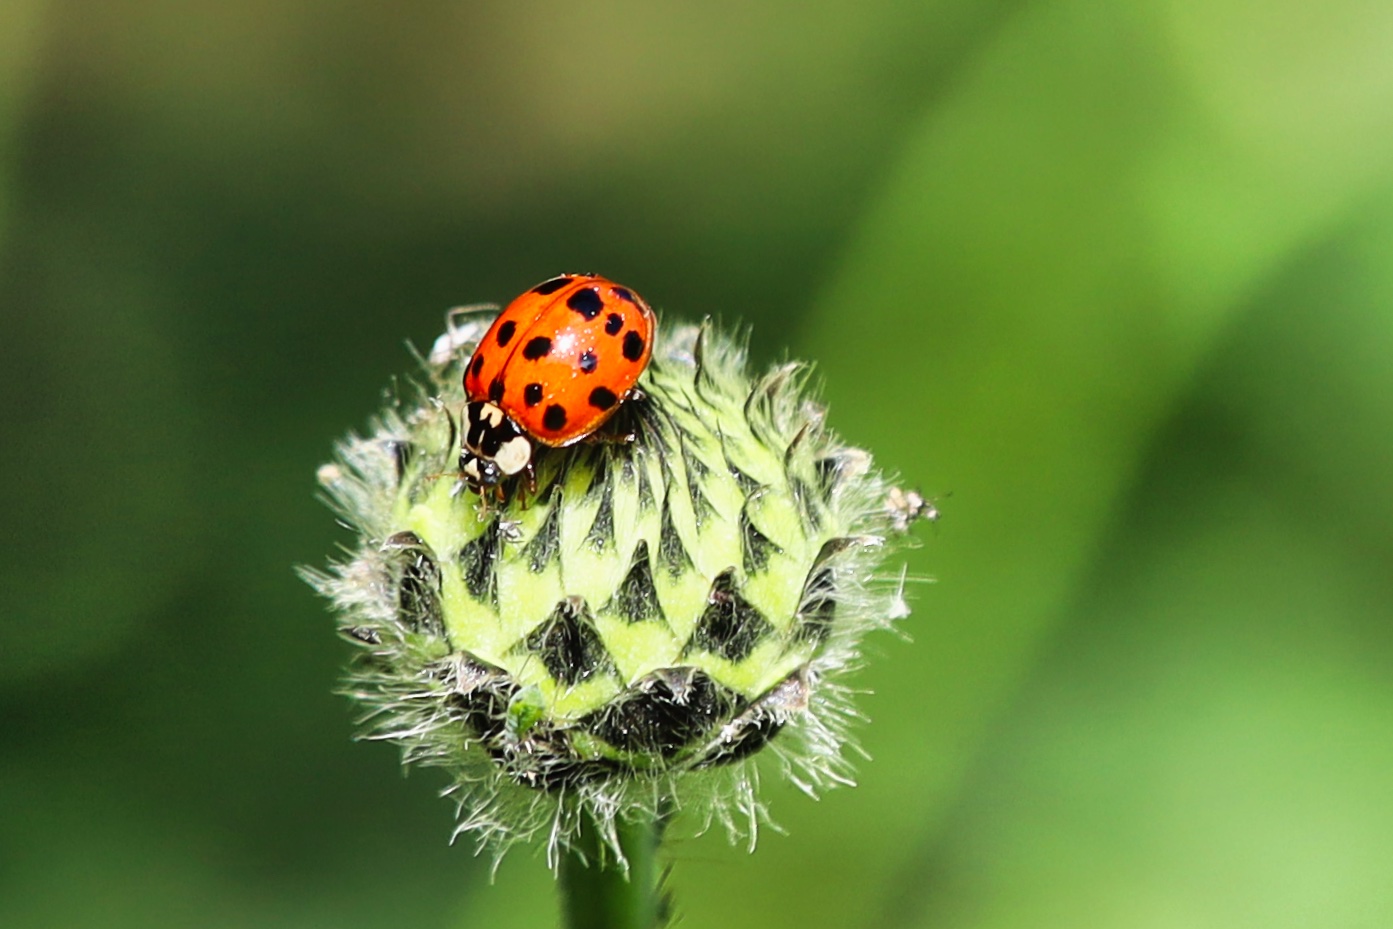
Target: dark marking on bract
588,361
671,552
664,712
555,417
601,534
613,323
505,332
633,345
418,592
637,599
817,606
551,286
568,644
807,502
478,563
751,730
747,484
363,635
543,547
741,739
477,363
479,696
496,391
829,472
645,490
406,540
819,609
757,546
402,453
548,765
602,398
532,394
586,302
696,470
729,626
536,347
599,463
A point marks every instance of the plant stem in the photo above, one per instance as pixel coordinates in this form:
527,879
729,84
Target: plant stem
596,890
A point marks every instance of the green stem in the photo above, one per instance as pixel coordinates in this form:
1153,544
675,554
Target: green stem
597,892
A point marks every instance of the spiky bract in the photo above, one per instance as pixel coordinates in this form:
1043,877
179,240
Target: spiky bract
655,613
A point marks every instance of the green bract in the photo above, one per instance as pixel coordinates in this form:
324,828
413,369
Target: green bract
655,613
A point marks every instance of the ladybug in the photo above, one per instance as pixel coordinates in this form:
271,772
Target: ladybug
554,366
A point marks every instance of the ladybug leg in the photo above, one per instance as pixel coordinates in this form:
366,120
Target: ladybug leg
612,437
526,488
623,427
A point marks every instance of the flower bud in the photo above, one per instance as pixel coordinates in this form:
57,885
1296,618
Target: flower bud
684,592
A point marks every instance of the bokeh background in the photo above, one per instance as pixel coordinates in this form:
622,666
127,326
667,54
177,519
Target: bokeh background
1113,281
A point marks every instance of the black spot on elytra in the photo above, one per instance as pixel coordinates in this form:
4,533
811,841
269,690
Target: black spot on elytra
633,345
613,323
551,286
729,626
532,394
588,361
664,712
568,644
496,390
637,599
477,364
554,418
505,332
624,293
602,398
586,302
536,347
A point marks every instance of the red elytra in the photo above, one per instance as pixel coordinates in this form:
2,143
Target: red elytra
561,358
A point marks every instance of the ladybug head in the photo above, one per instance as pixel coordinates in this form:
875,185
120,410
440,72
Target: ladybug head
493,448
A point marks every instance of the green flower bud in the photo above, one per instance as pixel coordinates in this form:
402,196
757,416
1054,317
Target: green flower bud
626,636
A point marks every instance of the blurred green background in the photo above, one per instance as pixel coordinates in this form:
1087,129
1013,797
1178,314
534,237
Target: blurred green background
1114,280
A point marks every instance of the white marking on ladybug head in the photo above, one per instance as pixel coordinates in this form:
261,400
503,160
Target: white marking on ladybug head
491,414
513,455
